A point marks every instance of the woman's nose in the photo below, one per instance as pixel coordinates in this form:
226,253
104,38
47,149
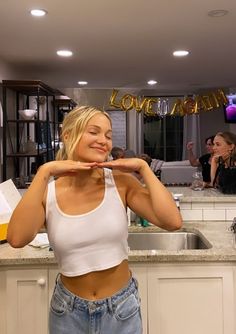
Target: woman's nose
102,138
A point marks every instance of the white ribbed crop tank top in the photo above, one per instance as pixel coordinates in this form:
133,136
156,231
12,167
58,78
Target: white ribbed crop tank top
96,240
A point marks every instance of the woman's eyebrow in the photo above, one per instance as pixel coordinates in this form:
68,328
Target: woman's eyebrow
98,127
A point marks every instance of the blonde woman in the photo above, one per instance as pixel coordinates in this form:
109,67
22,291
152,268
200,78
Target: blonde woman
84,211
223,166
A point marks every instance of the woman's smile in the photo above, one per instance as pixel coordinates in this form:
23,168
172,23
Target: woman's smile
100,149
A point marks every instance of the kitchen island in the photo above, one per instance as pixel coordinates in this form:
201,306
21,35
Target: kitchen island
217,233
194,288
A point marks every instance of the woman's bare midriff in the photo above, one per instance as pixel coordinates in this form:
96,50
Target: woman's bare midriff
99,284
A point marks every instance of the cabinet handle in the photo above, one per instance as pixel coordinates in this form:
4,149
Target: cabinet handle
41,282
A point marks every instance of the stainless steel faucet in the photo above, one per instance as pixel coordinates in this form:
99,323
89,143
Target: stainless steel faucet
233,226
176,198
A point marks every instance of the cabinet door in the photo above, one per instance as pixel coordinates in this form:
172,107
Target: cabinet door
27,301
191,299
52,276
140,273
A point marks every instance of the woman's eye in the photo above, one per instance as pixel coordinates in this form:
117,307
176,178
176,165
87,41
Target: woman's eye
93,133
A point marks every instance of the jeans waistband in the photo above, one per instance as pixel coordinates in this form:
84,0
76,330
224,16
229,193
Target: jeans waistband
74,301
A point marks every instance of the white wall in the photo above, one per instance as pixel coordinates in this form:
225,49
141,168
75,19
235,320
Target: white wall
212,122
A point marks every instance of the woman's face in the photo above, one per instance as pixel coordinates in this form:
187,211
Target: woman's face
96,141
221,148
209,146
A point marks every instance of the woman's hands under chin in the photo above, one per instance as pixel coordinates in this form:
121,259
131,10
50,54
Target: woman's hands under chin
66,167
125,165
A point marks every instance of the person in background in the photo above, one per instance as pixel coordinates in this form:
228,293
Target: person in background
84,211
223,167
204,161
129,153
117,152
146,158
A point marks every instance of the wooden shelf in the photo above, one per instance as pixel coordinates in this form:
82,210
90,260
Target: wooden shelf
27,155
26,121
29,87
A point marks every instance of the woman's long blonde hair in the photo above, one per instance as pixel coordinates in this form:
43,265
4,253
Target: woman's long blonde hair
73,127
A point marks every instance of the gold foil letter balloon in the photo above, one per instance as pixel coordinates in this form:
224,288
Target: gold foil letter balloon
207,102
113,103
199,104
178,108
140,103
127,102
221,97
149,107
189,105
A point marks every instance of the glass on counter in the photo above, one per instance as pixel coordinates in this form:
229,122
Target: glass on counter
197,183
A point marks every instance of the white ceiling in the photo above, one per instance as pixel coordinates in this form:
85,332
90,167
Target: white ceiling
121,44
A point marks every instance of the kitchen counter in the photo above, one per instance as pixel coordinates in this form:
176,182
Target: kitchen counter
216,232
205,205
187,195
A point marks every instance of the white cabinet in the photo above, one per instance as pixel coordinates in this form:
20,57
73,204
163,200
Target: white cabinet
175,299
27,301
191,299
3,319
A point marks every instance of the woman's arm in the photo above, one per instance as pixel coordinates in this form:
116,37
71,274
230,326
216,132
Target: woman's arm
214,166
153,202
29,215
191,157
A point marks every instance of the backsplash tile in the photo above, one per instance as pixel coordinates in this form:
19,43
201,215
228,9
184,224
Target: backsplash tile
191,214
230,214
213,214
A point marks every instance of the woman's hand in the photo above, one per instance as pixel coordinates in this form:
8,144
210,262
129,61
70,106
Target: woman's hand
66,167
215,158
125,165
189,145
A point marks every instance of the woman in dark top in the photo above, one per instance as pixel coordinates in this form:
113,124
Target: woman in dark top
223,167
204,161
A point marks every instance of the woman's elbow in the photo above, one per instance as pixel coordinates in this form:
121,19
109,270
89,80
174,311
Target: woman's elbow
174,224
14,241
171,223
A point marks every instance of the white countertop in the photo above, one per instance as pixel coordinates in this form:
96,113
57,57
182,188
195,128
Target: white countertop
217,233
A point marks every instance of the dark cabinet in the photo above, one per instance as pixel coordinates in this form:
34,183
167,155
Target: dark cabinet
28,142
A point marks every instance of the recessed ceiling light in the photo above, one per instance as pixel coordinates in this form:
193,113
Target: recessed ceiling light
38,12
152,82
64,53
180,53
217,13
83,83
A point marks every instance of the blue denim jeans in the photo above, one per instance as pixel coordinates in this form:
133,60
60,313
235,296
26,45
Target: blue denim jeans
118,314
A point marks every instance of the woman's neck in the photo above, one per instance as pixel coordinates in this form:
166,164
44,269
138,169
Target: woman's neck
85,178
226,160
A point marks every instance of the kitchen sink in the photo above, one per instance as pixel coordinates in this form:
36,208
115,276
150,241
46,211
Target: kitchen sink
167,241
